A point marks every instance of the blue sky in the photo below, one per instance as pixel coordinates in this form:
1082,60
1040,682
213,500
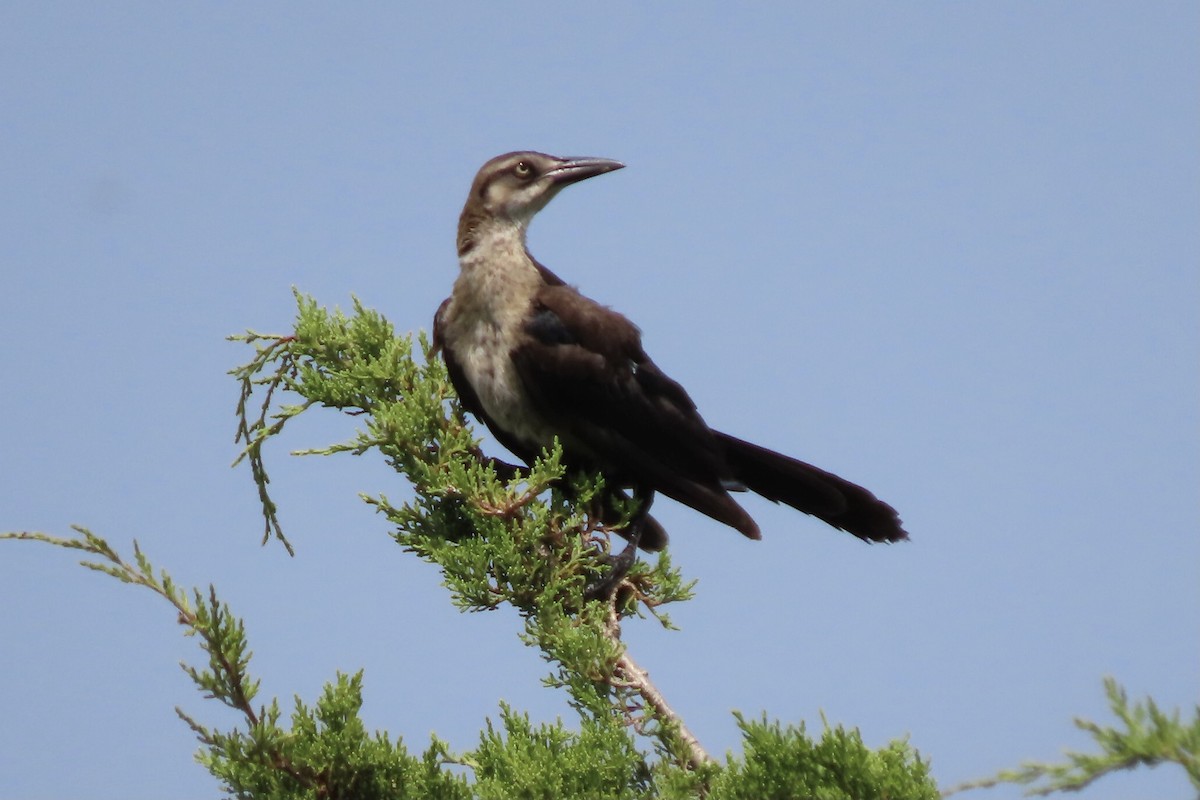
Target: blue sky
948,250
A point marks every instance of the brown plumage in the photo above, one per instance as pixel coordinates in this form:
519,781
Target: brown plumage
534,359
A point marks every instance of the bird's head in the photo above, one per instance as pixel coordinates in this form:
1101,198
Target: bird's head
515,186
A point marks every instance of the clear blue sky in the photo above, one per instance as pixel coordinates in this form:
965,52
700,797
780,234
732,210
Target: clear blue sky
948,250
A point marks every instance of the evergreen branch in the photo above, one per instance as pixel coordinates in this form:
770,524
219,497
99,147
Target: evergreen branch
674,735
1148,737
253,433
222,635
327,754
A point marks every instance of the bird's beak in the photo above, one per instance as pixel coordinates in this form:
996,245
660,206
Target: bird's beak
573,170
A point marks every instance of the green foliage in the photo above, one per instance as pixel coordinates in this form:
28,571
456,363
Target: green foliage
1147,737
784,763
500,535
525,761
326,753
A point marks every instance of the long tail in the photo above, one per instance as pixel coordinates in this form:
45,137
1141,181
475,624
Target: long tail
844,505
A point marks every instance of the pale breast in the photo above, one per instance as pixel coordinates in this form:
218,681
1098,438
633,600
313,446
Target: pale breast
482,326
484,355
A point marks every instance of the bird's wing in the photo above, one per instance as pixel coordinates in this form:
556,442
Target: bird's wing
584,369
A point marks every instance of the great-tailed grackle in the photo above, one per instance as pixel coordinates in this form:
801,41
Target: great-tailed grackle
534,359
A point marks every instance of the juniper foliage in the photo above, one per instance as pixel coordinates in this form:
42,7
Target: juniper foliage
500,535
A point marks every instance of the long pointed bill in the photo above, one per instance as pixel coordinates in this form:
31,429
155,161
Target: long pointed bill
573,170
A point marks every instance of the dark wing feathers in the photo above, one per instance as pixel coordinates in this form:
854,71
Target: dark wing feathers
584,367
547,328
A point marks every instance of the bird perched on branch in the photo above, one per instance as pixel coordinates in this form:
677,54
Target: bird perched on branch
535,359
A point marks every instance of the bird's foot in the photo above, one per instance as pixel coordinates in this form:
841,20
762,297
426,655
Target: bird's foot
620,564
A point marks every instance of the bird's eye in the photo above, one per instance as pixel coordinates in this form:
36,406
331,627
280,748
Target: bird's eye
522,169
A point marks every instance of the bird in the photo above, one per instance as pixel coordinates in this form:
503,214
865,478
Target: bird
535,359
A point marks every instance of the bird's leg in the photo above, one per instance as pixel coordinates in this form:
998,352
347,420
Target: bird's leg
619,565
504,470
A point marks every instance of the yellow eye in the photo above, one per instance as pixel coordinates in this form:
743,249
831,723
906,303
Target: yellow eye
522,169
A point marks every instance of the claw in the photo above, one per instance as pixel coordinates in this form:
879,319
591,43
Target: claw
620,564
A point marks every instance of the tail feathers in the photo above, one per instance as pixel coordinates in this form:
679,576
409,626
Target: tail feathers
814,491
